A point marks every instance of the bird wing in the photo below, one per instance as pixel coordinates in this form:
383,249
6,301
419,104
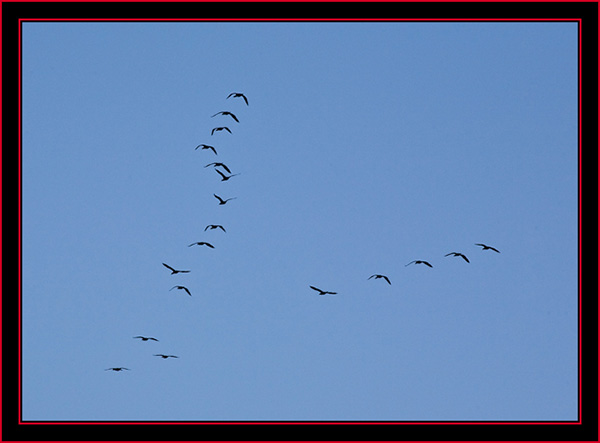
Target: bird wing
234,117
213,131
233,93
329,292
374,275
316,289
207,228
225,167
167,266
450,253
216,114
139,336
466,259
193,244
219,198
227,129
186,290
426,263
219,226
210,164
221,174
387,280
245,99
213,149
199,146
481,244
209,245
152,338
494,249
414,261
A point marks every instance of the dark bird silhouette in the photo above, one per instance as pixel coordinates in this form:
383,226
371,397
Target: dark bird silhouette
202,243
174,271
145,338
227,113
376,276
487,247
221,128
117,369
165,356
225,177
208,147
238,94
321,292
419,262
221,201
215,164
182,287
458,254
215,227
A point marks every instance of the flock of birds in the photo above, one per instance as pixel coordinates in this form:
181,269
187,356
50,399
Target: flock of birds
225,175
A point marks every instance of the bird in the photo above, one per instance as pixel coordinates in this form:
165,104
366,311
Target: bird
221,128
321,292
487,247
225,177
215,164
418,262
202,243
165,356
117,369
458,254
238,94
376,276
227,113
174,271
182,287
208,147
215,227
145,338
221,201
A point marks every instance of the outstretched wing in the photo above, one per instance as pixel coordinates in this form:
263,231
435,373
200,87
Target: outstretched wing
414,261
186,290
387,280
316,289
219,198
427,263
245,99
227,129
221,174
466,259
168,267
219,226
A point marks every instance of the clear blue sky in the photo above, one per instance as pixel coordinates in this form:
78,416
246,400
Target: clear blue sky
364,146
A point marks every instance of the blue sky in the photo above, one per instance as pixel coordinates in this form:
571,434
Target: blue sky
364,146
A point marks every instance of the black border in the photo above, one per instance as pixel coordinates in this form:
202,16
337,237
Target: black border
174,431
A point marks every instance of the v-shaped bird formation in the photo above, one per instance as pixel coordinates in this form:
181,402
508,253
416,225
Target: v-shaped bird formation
225,174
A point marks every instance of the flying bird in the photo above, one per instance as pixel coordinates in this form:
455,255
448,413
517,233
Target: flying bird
221,128
376,276
225,177
221,201
227,113
174,271
321,292
458,254
202,243
208,147
238,94
182,287
419,262
165,356
487,247
145,338
215,164
117,369
215,227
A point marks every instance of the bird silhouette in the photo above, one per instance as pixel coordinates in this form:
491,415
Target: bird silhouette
145,338
182,287
207,147
458,254
376,276
487,247
215,164
225,177
165,356
215,227
202,243
174,271
227,113
117,369
221,201
419,262
238,94
221,128
321,292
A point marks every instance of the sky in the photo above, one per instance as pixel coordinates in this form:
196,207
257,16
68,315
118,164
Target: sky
364,146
